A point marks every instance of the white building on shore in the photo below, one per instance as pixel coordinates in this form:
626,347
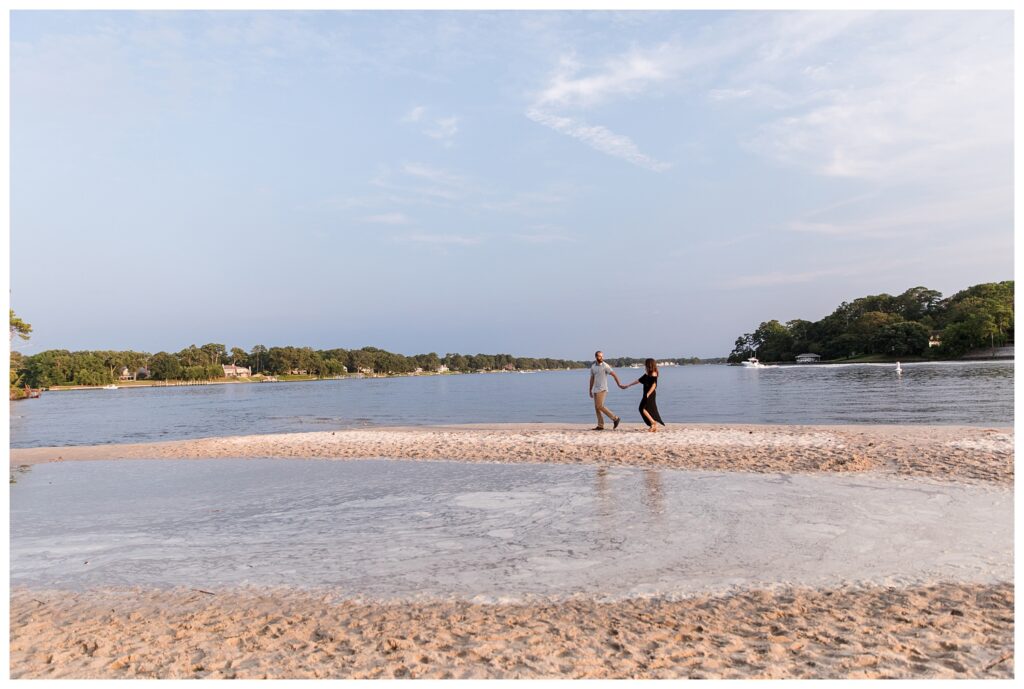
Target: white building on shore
233,371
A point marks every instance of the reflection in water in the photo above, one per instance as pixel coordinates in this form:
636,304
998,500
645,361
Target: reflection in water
654,492
652,496
604,498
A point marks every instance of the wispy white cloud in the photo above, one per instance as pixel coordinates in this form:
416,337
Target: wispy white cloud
622,75
418,183
779,277
444,129
599,138
415,114
884,217
930,102
729,94
625,75
433,174
776,278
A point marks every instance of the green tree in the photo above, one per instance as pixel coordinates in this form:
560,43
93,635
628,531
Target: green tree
456,362
239,357
194,373
19,327
164,366
258,356
191,356
744,348
214,354
983,315
428,362
868,328
901,339
918,303
361,360
282,360
23,330
773,342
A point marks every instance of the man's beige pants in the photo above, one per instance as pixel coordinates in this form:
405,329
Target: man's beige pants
600,408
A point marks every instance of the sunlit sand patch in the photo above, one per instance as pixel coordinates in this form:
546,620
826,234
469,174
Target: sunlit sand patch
945,452
942,630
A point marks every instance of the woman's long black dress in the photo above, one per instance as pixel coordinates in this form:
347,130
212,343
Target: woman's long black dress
649,404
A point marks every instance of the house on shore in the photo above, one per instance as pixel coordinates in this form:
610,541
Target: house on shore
808,358
126,374
233,371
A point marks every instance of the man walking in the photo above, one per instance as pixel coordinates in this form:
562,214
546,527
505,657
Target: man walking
598,389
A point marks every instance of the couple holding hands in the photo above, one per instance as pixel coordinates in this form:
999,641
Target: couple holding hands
598,389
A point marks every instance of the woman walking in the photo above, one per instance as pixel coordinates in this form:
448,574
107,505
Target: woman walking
649,403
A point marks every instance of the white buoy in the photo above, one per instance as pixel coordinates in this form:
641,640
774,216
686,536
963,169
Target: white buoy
899,371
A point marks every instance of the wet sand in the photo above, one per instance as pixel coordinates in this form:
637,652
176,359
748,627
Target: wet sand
956,453
942,629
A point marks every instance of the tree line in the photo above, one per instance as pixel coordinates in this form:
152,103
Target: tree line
903,325
22,330
197,363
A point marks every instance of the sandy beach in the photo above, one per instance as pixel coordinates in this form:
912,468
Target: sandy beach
945,630
955,453
948,628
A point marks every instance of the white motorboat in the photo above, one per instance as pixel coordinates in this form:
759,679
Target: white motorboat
752,362
110,387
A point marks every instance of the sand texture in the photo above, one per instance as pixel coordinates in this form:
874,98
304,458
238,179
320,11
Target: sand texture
939,631
958,453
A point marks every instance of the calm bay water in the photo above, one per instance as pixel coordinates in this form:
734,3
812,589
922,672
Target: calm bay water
975,393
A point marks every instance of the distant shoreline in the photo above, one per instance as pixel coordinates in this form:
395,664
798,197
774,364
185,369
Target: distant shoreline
124,385
894,360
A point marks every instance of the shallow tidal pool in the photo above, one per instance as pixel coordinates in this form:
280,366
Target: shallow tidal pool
398,530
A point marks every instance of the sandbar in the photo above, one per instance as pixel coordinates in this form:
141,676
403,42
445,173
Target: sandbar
956,453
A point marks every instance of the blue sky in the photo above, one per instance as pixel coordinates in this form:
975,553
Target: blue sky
538,183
